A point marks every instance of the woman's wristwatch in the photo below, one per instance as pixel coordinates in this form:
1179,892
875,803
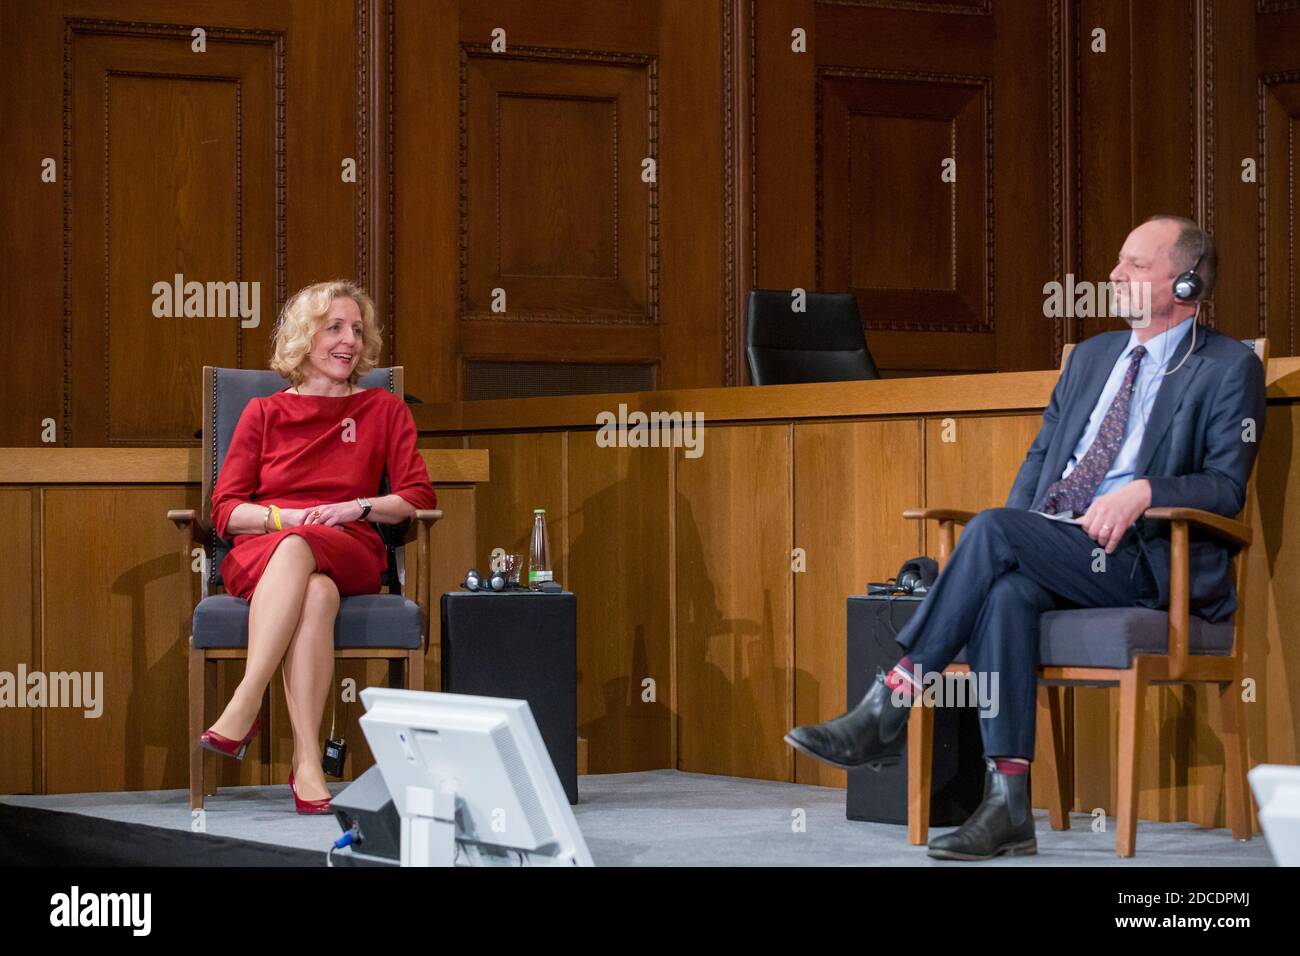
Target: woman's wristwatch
365,507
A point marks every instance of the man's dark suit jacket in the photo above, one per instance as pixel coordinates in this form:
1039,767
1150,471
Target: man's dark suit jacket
1193,451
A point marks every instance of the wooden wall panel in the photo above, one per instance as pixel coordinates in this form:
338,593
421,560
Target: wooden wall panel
619,520
1030,82
895,92
542,146
556,213
19,644
1165,169
527,473
852,482
693,197
453,552
1076,146
784,145
222,164
1279,101
608,520
915,249
1163,121
426,159
36,389
1272,658
1103,150
971,461
735,651
148,214
1231,201
108,607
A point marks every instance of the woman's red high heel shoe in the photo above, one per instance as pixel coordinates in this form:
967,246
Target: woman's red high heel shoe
224,745
308,806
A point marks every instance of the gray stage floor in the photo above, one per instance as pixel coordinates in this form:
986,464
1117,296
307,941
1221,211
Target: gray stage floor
670,818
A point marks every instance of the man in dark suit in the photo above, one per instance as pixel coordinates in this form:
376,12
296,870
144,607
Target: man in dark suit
1167,414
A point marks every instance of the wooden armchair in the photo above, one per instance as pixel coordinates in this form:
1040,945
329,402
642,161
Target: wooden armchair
387,626
1194,651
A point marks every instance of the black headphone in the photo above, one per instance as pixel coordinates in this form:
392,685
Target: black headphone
497,581
916,576
1189,285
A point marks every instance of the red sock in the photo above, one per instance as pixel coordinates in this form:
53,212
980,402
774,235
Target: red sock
901,680
1015,766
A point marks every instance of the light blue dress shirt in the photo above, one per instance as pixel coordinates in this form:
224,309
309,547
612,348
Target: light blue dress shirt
1164,351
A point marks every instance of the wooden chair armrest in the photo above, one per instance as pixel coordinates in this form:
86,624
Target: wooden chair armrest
192,528
939,514
425,516
193,531
1233,532
1226,529
947,518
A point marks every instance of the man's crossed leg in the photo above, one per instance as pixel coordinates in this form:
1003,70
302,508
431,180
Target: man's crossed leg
1010,565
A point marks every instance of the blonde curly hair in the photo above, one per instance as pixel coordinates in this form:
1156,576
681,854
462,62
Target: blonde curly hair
304,315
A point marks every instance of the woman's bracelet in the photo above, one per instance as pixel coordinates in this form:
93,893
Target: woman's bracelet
266,527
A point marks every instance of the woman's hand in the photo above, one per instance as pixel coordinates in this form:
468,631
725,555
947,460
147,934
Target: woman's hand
329,515
289,518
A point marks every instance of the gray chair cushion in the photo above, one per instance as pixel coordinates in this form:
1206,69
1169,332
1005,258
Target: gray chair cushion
1111,636
363,620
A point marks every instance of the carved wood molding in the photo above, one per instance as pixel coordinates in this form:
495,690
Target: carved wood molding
739,202
979,8
1201,102
391,203
374,148
559,54
361,217
729,250
1065,211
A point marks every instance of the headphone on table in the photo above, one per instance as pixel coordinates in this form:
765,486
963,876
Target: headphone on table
916,576
496,582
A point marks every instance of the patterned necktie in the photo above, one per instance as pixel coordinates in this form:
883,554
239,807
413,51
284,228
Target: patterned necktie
1074,492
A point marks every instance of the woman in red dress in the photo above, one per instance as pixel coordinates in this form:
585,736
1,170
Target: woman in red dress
292,496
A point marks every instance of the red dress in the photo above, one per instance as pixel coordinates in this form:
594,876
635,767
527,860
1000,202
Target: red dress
305,450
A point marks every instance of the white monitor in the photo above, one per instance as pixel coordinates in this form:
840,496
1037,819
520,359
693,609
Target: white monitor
1277,791
471,780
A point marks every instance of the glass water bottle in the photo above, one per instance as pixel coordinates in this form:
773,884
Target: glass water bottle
539,552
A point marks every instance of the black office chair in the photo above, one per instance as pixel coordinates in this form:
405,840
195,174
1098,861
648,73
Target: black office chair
822,344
